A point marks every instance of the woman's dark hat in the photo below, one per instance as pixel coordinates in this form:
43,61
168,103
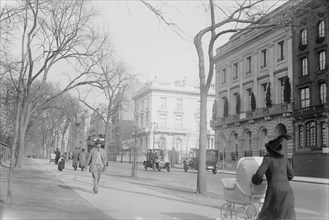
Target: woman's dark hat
275,146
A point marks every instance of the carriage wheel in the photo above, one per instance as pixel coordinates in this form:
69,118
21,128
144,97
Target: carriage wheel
225,212
242,214
252,211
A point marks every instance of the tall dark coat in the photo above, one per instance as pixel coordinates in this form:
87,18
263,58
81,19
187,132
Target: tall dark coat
279,197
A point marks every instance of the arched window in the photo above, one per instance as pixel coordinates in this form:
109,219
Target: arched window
262,140
321,29
303,37
234,146
247,144
179,145
311,135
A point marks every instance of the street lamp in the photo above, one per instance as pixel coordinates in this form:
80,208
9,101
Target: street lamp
155,125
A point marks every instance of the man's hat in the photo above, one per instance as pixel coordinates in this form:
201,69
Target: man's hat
275,146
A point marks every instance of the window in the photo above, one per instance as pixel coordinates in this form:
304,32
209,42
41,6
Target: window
281,84
323,93
179,103
223,76
304,66
142,120
301,136
248,100
235,71
236,97
311,134
248,65
179,121
162,120
146,119
248,141
263,94
321,29
322,60
281,51
163,101
303,40
305,97
323,134
263,59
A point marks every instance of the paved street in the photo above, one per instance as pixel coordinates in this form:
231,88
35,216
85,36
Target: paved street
152,195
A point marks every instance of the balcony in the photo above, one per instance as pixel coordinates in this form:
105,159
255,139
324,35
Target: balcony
265,113
314,111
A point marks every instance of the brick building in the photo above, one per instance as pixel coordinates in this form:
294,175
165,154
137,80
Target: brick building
311,78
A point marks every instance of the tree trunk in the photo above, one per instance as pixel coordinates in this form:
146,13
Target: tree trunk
107,130
201,181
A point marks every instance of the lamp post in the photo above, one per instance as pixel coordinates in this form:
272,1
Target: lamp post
154,124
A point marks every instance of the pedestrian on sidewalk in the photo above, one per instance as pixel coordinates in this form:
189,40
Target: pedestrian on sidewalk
279,197
75,158
97,160
83,159
58,155
61,163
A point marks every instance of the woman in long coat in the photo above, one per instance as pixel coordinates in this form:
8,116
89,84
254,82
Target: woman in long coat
83,159
279,197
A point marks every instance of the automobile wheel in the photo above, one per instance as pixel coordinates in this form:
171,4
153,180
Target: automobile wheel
214,171
185,168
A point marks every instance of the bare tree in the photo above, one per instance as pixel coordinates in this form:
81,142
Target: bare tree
112,78
52,33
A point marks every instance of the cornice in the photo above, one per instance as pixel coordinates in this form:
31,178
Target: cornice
170,91
238,46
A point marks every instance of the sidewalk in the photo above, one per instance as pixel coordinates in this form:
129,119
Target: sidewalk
72,197
304,179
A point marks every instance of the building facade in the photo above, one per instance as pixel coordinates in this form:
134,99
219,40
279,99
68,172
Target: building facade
167,116
311,78
251,72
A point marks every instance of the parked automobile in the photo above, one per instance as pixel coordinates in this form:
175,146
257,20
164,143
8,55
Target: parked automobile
156,159
211,160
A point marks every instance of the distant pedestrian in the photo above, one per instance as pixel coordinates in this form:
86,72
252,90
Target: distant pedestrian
61,163
83,159
58,155
97,160
75,158
279,198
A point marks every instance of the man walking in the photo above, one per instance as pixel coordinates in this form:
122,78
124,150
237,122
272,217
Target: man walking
75,158
97,160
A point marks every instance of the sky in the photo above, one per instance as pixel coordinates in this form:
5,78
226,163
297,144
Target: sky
147,45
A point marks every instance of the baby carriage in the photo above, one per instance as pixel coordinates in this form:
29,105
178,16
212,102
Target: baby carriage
241,191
